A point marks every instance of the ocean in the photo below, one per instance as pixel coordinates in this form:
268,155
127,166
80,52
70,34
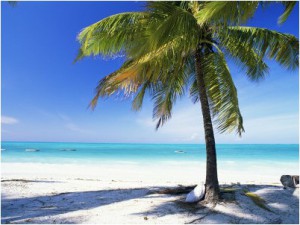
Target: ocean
51,152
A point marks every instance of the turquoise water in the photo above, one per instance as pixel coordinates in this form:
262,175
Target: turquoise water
144,153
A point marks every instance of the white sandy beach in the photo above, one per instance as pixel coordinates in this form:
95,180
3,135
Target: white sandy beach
55,193
173,172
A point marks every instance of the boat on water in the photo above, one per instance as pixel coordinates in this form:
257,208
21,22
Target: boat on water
69,150
31,150
179,151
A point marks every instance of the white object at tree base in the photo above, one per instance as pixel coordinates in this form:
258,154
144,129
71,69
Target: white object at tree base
197,194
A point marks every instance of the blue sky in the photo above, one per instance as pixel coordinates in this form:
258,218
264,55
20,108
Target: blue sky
45,96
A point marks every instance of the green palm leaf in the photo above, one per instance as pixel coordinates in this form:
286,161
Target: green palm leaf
288,7
236,12
222,93
160,43
226,12
244,55
166,94
122,79
284,48
112,34
174,21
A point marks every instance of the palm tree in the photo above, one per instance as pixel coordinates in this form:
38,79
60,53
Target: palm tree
172,47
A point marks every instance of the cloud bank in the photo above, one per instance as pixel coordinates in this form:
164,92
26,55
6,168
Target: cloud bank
8,120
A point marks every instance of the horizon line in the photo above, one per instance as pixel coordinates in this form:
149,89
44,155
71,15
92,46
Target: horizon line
147,143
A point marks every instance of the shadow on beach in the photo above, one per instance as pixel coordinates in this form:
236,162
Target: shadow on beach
239,209
13,210
282,207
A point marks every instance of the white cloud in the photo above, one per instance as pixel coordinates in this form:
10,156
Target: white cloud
187,121
147,122
69,124
73,127
194,136
8,120
64,117
283,128
186,125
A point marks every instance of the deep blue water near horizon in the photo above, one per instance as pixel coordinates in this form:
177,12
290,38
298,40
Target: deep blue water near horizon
90,153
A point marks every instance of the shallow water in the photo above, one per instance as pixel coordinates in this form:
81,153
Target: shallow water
228,154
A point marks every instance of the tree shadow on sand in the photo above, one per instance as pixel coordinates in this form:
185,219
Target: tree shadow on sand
14,210
282,205
240,209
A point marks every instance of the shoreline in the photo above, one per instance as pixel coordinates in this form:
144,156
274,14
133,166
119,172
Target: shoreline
152,173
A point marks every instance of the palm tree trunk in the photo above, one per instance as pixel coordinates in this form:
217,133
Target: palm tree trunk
211,182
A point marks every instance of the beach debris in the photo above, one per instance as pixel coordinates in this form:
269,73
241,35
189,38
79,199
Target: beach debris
291,181
179,151
257,200
296,191
32,150
175,191
18,180
49,207
228,194
197,194
227,189
145,218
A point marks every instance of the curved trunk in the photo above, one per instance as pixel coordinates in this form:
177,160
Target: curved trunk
211,182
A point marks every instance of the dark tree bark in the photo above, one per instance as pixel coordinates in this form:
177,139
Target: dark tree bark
211,183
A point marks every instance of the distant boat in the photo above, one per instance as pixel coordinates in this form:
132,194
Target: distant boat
179,151
3,149
31,150
69,150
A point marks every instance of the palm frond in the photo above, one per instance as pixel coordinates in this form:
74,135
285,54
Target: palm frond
194,90
172,21
112,34
222,93
139,98
283,48
226,12
121,80
166,93
236,12
80,55
148,68
244,56
289,5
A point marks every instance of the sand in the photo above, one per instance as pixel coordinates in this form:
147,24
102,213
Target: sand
131,194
